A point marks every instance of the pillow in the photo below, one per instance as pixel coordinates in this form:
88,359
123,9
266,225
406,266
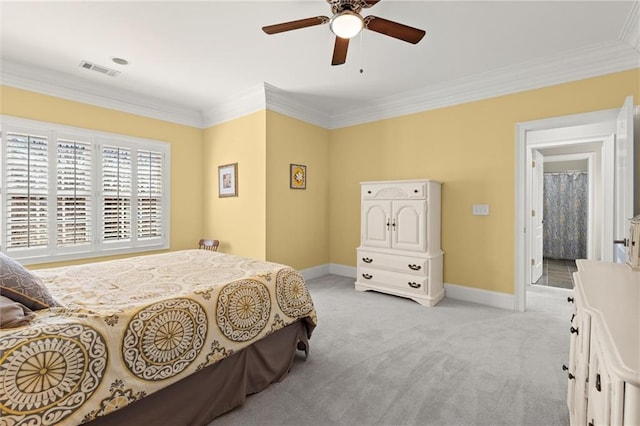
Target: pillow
20,285
14,314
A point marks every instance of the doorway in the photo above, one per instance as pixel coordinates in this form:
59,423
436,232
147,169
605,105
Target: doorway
593,133
566,212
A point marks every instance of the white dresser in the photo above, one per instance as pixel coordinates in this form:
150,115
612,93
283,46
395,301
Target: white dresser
399,249
604,356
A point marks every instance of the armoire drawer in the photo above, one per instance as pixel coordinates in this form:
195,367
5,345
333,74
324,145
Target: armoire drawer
404,264
394,190
404,282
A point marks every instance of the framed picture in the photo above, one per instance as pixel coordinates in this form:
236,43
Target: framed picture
298,176
228,180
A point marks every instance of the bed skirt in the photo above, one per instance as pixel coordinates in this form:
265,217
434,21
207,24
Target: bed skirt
199,398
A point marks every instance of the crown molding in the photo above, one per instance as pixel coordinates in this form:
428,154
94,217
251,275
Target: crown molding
70,87
630,32
284,102
592,61
244,103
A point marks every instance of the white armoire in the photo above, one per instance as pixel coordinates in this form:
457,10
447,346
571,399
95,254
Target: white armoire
399,249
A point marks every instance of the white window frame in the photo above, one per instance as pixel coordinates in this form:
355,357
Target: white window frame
97,139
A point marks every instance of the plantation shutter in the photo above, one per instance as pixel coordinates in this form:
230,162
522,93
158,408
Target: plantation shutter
73,220
149,196
27,190
116,193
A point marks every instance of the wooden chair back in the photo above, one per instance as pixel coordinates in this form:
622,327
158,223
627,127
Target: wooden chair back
209,244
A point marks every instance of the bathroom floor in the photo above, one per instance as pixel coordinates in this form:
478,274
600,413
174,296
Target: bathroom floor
557,273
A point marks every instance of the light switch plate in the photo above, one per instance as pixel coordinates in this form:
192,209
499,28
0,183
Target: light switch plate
480,210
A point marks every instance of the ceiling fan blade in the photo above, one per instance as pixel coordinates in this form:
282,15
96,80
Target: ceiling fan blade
394,29
295,25
340,51
369,3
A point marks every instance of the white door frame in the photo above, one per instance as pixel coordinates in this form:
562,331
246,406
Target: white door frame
558,131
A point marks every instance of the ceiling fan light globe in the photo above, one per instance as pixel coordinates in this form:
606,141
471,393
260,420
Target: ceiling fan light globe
346,24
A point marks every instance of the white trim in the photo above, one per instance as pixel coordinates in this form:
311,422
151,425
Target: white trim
543,134
315,272
476,295
591,61
74,88
245,103
343,270
630,32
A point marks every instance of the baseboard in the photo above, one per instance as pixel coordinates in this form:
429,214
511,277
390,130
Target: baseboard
454,291
483,297
342,270
316,272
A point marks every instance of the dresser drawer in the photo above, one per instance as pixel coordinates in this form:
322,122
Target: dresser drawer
404,264
397,191
392,280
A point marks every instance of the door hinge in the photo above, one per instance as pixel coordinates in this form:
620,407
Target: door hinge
533,163
533,262
533,213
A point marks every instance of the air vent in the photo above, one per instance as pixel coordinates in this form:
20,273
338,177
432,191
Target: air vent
99,68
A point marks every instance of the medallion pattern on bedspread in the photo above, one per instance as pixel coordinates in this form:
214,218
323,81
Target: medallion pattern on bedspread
49,376
243,309
292,293
164,338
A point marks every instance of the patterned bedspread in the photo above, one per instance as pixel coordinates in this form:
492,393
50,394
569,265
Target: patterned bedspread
133,326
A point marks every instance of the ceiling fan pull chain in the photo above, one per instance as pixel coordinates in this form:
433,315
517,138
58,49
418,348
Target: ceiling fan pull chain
361,53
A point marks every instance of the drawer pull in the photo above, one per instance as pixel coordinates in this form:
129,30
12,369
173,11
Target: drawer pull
591,423
367,276
414,285
571,376
572,317
564,367
368,192
367,260
598,384
574,330
415,191
415,267
570,299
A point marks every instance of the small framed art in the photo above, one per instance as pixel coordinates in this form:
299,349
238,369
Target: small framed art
228,180
298,176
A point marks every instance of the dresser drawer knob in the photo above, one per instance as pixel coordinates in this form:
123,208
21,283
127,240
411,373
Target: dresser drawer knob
574,330
367,276
367,260
414,285
415,267
570,300
571,376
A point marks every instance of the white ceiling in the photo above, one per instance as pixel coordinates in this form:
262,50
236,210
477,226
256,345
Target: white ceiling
202,62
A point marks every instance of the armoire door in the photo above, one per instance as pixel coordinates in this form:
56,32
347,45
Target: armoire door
376,223
408,225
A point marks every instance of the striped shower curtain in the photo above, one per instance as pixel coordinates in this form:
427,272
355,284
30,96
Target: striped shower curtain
565,215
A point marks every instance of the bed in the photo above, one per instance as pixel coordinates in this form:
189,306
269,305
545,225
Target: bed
174,338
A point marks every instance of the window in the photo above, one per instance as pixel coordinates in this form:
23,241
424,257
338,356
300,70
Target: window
72,193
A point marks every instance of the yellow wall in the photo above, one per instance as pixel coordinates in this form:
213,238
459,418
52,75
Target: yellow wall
297,220
238,222
471,149
185,141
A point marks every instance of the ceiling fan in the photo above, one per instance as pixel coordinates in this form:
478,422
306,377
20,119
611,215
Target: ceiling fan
347,22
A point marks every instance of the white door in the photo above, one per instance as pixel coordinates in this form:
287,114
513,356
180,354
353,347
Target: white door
537,210
408,225
623,187
376,223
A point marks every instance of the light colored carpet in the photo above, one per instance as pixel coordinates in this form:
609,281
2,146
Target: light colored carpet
377,359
